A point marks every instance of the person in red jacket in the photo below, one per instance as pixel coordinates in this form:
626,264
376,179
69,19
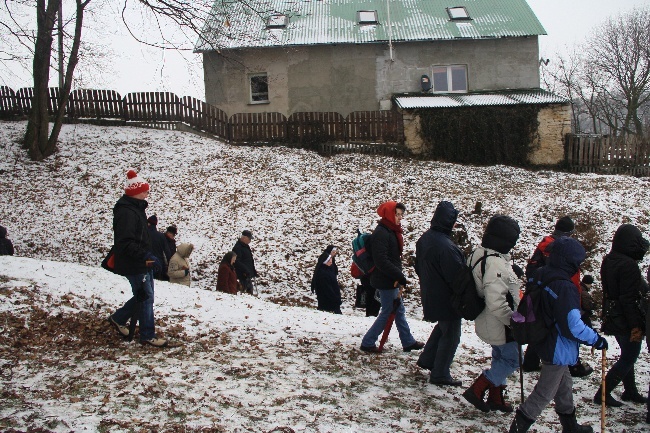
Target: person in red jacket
226,277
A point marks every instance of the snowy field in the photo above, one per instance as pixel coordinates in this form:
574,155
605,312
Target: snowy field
248,364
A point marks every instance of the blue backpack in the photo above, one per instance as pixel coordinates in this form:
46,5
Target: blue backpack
361,258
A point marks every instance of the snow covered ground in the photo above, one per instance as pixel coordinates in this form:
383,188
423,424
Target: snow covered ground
245,363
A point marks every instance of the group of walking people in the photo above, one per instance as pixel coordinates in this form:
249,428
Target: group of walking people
555,264
142,254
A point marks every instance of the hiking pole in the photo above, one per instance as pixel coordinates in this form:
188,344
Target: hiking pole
521,376
602,391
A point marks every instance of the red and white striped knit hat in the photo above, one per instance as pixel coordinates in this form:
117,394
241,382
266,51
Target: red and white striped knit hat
135,184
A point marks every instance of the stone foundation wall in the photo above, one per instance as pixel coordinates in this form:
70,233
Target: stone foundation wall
554,124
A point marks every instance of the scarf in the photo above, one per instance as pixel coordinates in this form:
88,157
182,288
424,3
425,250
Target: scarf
387,213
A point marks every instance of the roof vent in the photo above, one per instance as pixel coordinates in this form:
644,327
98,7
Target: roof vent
367,17
458,13
277,21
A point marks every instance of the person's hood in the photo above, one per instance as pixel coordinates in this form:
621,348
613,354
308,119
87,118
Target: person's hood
629,241
3,232
387,210
501,234
184,250
444,217
566,254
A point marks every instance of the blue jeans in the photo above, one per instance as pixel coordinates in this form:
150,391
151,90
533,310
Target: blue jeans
623,369
438,353
386,298
122,315
505,361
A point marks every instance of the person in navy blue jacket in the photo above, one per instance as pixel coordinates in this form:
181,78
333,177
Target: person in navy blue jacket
324,282
437,262
559,350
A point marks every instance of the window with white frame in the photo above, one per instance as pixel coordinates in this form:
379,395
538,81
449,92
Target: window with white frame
449,78
259,85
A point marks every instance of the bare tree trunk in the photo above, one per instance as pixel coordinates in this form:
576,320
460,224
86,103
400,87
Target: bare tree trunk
73,59
36,136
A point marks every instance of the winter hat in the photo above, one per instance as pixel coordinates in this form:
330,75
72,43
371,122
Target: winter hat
135,184
387,210
587,279
173,230
247,233
501,234
567,254
445,216
153,220
565,225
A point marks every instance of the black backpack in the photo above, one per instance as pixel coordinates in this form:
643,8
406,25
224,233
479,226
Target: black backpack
465,300
529,324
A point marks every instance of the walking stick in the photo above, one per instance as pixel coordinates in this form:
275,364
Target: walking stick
602,391
521,376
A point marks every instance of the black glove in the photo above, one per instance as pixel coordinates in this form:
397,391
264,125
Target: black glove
601,344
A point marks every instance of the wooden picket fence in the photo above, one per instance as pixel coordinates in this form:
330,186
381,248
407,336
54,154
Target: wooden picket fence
606,154
364,131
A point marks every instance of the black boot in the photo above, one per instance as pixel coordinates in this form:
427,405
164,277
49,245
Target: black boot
521,423
611,382
570,424
634,397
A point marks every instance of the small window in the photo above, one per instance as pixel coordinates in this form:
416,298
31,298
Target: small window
259,88
458,13
450,78
367,17
277,21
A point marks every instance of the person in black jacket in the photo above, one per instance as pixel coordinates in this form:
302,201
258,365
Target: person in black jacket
437,262
245,264
324,282
386,251
159,248
134,260
6,247
623,312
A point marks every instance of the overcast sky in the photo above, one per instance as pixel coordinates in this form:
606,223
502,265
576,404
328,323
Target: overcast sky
132,67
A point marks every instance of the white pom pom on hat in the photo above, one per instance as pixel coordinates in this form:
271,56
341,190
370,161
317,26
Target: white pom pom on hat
135,184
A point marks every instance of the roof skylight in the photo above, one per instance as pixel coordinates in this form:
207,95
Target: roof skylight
277,21
367,17
458,13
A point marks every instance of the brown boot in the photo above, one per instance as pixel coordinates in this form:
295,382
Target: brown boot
475,394
497,401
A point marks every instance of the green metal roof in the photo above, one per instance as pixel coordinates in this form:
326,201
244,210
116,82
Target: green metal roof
236,24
